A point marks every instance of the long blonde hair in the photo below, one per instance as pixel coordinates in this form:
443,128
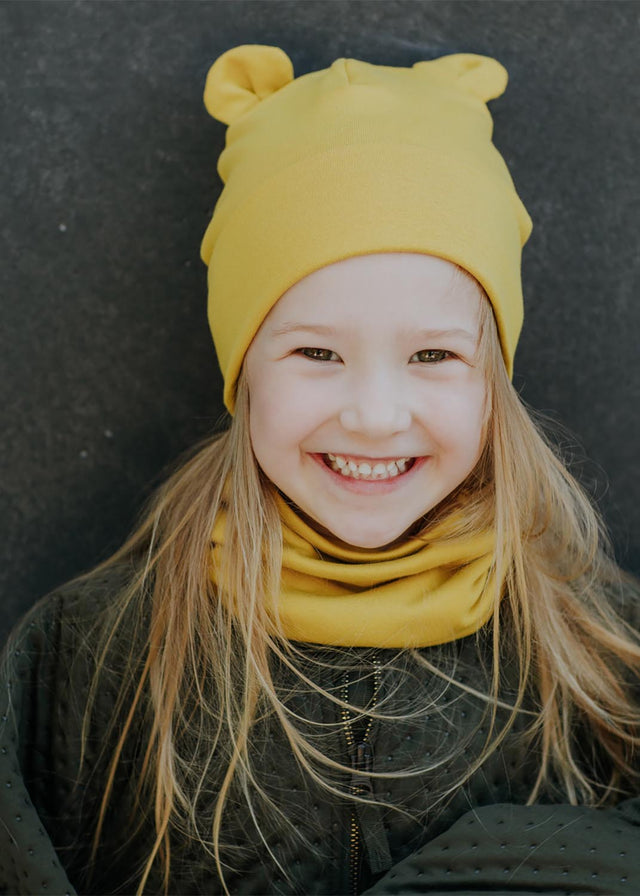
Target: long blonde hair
561,585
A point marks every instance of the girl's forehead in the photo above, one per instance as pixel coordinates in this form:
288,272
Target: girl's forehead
392,286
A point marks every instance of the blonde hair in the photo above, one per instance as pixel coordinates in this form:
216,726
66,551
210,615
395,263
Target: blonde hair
561,583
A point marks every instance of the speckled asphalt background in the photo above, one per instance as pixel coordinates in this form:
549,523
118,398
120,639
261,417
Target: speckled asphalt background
108,180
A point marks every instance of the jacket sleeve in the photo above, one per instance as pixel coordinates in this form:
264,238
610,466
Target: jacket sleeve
506,848
28,861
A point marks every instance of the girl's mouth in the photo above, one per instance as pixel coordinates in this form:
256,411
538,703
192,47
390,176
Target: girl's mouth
368,470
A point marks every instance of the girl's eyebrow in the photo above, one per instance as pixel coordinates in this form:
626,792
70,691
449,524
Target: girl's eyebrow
293,327
456,332
322,330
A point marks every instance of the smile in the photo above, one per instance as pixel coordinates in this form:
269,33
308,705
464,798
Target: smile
372,470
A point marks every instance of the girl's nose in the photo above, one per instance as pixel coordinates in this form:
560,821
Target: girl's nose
375,411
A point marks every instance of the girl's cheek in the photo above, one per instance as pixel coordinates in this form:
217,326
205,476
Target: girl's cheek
284,407
454,413
310,397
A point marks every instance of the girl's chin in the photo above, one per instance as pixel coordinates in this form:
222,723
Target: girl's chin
374,541
371,544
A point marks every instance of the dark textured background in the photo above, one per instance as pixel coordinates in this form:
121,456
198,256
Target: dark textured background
108,180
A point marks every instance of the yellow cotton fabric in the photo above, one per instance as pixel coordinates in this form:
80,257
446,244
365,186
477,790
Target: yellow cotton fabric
425,591
351,160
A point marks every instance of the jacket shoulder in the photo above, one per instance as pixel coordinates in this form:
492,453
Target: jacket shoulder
45,675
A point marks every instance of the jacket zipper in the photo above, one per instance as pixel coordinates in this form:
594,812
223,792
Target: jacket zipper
361,754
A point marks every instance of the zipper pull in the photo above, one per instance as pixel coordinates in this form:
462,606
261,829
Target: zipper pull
362,765
363,757
370,821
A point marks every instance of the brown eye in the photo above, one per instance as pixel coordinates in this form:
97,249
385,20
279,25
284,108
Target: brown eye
318,354
430,356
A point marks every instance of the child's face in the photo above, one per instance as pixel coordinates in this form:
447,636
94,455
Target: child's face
344,374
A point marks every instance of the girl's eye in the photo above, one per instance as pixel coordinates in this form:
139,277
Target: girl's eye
319,354
430,355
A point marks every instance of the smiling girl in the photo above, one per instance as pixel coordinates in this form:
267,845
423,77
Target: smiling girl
372,637
371,431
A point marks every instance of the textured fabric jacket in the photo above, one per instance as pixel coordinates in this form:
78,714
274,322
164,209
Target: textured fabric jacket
482,840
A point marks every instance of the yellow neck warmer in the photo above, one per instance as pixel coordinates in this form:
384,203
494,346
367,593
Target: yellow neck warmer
416,594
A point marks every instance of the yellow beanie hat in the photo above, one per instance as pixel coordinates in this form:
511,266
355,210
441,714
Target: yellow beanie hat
352,160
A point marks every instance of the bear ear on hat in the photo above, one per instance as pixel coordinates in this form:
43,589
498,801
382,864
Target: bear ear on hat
481,75
243,76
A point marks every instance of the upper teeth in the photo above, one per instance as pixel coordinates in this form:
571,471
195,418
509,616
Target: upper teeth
365,469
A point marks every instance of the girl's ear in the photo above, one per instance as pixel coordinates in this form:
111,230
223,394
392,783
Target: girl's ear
481,75
243,76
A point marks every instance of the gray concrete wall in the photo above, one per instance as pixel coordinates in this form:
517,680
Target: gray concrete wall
108,181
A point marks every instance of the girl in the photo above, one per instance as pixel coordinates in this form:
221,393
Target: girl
372,637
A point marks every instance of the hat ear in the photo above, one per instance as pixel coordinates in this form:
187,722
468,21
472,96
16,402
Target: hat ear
481,75
243,76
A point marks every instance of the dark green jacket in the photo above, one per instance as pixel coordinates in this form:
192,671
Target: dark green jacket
483,840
